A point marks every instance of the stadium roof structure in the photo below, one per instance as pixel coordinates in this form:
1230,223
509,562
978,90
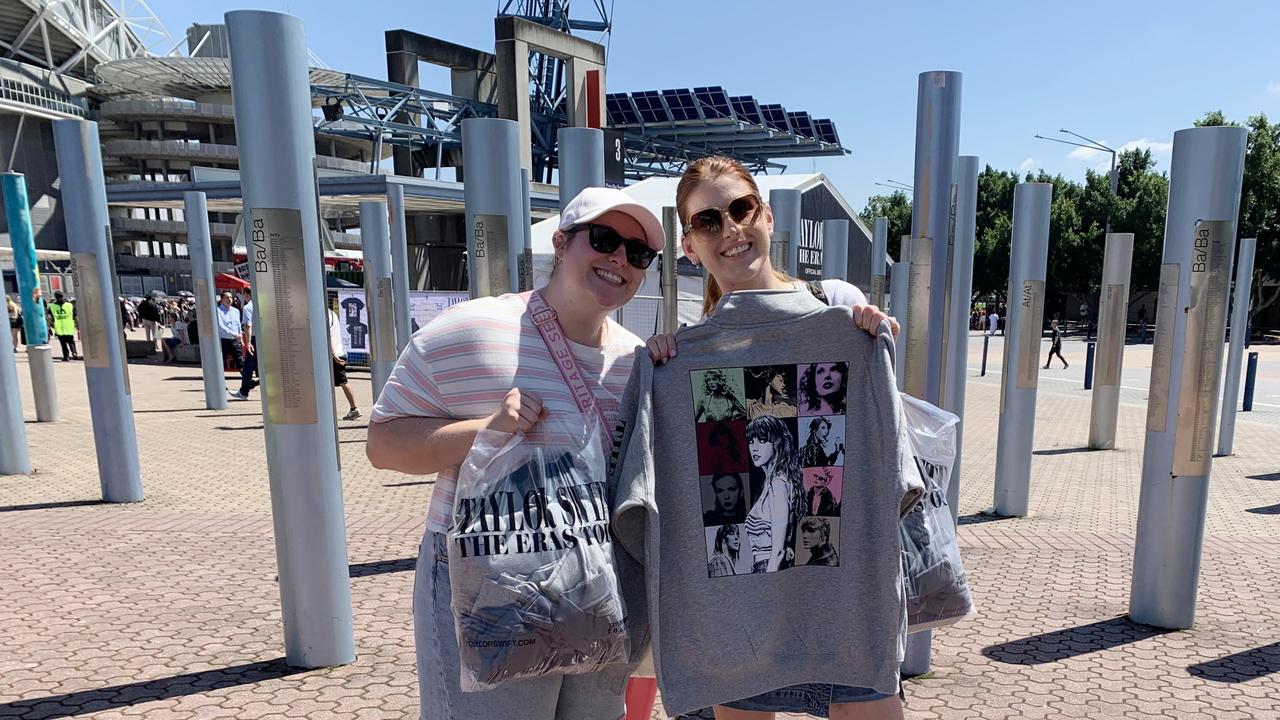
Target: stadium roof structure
179,76
709,120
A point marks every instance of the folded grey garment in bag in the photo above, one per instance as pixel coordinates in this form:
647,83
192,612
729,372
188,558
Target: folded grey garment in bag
937,590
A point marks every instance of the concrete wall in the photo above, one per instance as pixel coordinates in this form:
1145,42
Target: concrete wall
36,160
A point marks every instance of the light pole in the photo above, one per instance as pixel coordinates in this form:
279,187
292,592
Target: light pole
1093,145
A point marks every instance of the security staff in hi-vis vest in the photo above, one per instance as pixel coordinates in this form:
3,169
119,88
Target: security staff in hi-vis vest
63,318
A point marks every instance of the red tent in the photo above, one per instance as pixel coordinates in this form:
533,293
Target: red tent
225,281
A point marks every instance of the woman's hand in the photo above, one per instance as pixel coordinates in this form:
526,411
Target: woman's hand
661,348
517,413
868,317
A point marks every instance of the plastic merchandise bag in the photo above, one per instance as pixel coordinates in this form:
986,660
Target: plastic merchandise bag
937,591
531,564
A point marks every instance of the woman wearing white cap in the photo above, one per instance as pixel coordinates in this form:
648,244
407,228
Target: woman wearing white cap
483,364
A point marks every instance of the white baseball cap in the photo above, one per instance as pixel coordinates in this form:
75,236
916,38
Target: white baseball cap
593,202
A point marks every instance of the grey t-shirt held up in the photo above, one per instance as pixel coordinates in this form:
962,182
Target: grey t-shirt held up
759,522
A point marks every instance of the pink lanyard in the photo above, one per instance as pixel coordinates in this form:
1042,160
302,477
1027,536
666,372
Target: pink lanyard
548,324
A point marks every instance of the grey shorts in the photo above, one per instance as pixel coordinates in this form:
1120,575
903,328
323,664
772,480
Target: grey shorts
596,696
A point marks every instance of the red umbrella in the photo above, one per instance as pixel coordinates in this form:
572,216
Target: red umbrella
223,281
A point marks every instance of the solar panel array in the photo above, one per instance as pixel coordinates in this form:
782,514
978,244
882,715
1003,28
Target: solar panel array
775,116
714,102
802,123
826,131
692,116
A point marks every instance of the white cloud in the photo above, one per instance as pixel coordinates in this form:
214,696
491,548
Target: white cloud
1100,161
1273,87
1028,165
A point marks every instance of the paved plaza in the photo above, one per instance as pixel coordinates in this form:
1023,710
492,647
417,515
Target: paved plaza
169,608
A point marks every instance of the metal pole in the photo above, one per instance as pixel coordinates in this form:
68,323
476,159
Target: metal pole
1023,331
84,209
26,267
879,251
379,292
835,249
1199,231
27,271
959,307
933,200
1113,307
15,459
200,248
399,266
272,98
670,286
491,194
1250,375
899,306
581,161
986,343
524,264
785,244
936,157
1239,331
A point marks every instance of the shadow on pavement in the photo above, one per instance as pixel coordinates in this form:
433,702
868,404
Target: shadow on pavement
169,410
186,378
1241,667
1266,510
1269,477
409,484
128,694
381,567
50,506
1064,451
979,518
1072,642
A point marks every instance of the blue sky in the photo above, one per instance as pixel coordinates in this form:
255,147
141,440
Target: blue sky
1123,72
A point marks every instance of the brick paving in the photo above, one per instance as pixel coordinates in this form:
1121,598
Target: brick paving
169,609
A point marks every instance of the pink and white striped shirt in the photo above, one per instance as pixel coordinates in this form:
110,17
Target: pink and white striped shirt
465,360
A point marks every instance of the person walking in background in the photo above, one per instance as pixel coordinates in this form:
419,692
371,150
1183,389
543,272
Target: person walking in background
993,321
149,311
1055,346
15,320
62,315
229,333
1142,325
339,354
249,366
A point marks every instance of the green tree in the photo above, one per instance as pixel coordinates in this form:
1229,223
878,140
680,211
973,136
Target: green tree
897,208
1259,203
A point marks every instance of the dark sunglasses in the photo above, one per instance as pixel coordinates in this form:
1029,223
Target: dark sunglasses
744,211
605,240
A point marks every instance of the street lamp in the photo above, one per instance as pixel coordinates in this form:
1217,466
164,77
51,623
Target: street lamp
1093,145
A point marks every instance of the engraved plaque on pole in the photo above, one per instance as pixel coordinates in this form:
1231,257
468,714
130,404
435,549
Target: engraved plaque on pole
1202,356
919,288
204,308
489,264
384,348
1030,324
1162,349
278,259
877,290
89,310
780,249
1111,329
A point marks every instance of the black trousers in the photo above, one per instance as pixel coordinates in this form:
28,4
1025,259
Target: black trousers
68,343
231,349
1055,350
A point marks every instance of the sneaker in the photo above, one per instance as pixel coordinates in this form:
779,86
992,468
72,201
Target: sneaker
352,414
237,395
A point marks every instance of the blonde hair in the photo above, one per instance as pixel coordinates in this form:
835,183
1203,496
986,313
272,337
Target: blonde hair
706,169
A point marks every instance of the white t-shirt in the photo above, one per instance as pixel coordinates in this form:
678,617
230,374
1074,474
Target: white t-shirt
335,336
463,363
